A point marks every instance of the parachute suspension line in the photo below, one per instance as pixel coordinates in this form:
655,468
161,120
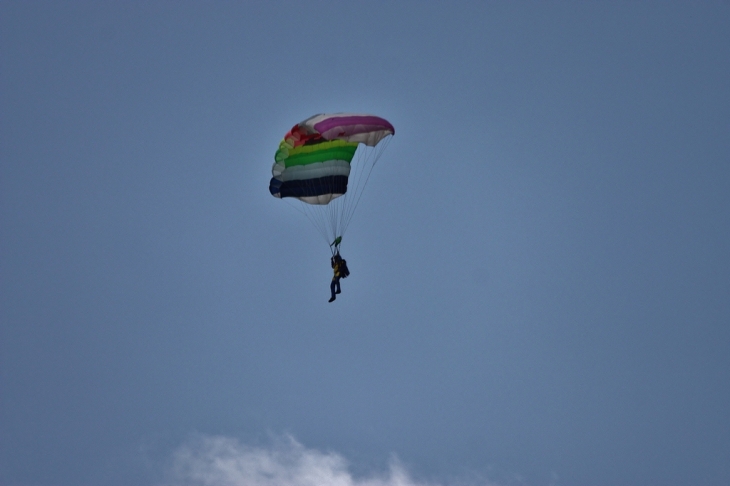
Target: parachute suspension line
315,213
316,218
332,215
364,160
331,211
356,170
354,179
367,164
298,206
320,214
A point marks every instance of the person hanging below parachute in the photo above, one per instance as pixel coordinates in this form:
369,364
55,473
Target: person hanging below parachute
339,266
314,164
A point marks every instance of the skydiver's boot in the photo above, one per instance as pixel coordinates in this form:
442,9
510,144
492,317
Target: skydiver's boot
332,299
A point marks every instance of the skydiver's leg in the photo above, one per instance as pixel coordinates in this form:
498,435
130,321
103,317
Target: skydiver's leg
332,290
337,285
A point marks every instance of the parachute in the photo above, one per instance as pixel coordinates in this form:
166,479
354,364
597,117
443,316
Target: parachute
325,162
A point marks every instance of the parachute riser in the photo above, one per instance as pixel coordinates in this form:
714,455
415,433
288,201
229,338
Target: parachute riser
335,246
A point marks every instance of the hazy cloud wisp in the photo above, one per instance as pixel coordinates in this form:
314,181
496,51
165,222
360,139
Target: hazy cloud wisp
223,461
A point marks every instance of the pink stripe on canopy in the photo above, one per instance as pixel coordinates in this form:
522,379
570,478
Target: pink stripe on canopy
353,125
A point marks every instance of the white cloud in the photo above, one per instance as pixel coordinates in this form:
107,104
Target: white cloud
222,461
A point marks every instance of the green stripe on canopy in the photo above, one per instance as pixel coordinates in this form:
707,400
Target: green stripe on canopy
321,155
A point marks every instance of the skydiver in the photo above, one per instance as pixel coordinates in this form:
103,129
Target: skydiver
335,261
338,266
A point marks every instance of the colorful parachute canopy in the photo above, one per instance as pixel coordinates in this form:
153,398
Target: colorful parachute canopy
325,162
313,161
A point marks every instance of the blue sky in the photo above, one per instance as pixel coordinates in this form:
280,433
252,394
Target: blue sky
540,270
